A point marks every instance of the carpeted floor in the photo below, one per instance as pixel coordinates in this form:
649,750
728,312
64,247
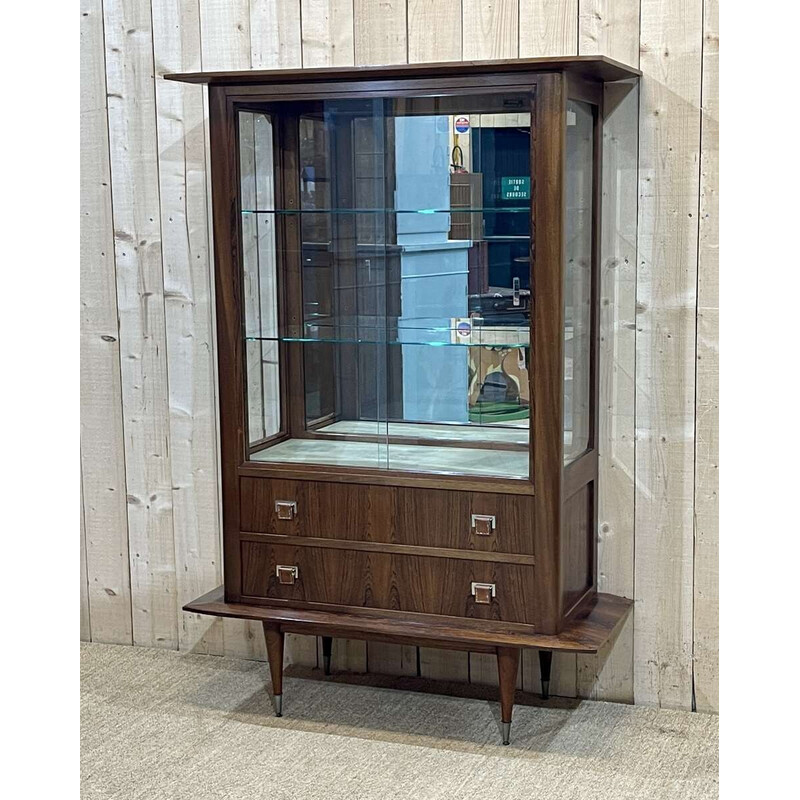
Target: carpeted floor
159,725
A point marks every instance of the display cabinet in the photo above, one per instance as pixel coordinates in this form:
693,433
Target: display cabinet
407,324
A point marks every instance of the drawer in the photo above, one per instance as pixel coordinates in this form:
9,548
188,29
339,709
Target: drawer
422,584
481,521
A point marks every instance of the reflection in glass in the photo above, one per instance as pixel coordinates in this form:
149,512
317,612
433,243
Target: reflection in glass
407,285
259,290
578,279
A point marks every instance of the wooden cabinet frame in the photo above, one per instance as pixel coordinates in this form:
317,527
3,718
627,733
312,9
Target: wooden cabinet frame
560,502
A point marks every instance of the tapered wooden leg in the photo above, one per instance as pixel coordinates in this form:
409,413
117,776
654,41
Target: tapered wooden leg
545,662
274,638
327,645
507,666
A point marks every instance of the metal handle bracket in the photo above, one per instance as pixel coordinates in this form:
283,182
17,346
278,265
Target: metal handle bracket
286,574
286,509
483,524
483,592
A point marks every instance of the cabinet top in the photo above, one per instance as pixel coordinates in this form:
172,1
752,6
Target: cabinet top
599,68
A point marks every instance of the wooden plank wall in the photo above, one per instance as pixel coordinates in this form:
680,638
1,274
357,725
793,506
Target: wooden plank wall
150,511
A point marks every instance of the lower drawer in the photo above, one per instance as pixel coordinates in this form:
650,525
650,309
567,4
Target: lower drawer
421,584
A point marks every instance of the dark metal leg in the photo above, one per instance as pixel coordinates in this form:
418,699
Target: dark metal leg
327,644
507,666
545,662
274,638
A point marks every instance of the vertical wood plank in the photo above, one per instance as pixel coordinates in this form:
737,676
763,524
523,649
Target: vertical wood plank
548,28
609,676
187,299
483,670
380,31
275,34
140,297
391,659
491,29
102,439
225,38
225,35
706,543
665,350
86,625
328,33
347,655
434,30
563,675
443,665
610,28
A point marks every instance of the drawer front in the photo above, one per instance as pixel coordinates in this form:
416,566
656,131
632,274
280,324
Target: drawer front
428,585
500,523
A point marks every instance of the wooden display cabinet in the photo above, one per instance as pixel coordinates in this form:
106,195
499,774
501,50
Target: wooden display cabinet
408,401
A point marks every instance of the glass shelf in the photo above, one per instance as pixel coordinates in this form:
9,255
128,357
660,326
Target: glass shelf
457,210
376,341
462,334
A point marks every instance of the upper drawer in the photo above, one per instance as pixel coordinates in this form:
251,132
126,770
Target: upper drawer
500,523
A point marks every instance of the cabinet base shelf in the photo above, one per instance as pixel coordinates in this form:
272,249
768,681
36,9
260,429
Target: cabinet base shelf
588,630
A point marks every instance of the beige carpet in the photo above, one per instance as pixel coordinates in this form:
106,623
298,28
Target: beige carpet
158,724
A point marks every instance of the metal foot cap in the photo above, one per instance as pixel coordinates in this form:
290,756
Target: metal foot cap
506,729
278,705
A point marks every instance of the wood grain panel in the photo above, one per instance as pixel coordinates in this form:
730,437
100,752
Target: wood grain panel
380,32
706,491
140,298
418,517
577,543
665,350
490,29
584,633
275,34
548,28
105,513
610,677
610,28
225,34
380,580
327,33
434,30
187,308
392,659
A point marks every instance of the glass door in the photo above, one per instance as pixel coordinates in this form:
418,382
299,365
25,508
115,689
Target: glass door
386,283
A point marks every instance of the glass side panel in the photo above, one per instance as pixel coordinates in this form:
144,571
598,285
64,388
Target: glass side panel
578,279
407,278
259,285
